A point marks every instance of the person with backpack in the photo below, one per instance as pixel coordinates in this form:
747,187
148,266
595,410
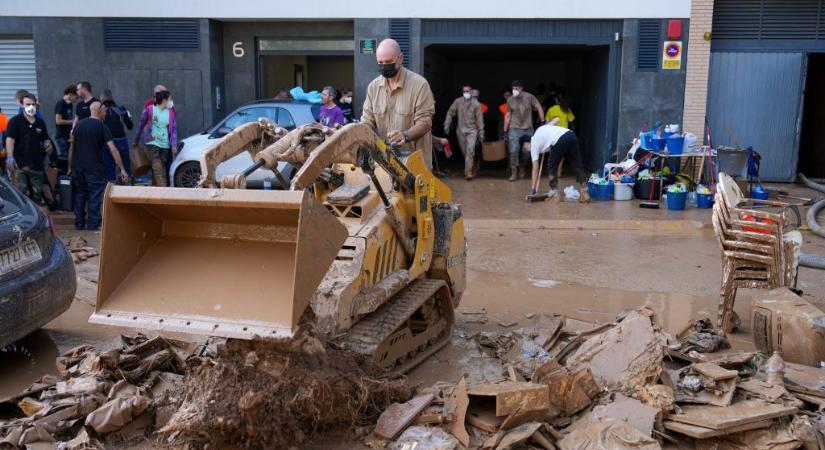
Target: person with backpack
118,119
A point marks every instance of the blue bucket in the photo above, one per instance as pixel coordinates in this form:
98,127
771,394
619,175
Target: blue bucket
704,201
651,142
676,201
675,145
600,192
760,193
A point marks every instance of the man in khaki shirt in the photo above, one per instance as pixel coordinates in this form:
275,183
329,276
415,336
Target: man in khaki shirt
399,103
469,129
518,122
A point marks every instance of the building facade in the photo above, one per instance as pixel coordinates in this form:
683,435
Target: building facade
607,57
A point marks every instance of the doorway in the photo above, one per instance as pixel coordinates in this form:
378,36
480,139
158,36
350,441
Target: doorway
311,72
812,138
580,72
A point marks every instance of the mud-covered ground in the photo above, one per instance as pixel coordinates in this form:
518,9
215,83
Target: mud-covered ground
587,261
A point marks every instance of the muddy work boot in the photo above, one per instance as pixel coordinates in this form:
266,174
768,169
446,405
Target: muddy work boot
513,173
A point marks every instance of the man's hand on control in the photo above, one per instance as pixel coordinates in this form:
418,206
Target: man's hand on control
396,137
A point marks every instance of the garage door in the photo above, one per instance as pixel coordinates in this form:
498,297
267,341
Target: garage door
17,71
754,99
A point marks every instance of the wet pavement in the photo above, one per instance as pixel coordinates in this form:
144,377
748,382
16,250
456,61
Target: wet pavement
586,261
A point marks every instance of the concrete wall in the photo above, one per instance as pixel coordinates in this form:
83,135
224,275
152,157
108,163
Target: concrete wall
68,50
240,72
366,69
645,97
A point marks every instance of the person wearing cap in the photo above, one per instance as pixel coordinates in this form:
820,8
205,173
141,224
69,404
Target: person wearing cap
518,122
469,127
559,143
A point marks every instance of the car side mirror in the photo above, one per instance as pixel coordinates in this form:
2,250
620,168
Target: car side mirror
221,132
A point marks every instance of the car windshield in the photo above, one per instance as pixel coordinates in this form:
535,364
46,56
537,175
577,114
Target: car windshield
249,115
10,202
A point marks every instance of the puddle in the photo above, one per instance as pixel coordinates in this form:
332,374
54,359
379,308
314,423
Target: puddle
538,282
25,361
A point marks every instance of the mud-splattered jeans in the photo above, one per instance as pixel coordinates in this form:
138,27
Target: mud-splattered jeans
513,135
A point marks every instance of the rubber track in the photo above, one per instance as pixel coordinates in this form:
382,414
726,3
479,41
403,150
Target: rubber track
366,335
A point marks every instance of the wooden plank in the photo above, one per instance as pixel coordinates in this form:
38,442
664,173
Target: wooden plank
512,396
484,419
762,389
714,371
399,416
722,417
704,433
457,404
805,379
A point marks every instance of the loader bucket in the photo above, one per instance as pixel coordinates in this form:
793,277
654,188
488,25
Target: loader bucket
231,263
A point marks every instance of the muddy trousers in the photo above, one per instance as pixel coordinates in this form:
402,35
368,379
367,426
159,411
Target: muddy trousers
30,183
467,141
567,147
514,146
159,156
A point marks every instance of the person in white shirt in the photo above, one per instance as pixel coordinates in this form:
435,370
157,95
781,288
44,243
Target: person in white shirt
560,143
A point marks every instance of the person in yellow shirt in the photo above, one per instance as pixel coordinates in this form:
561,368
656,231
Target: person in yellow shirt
562,111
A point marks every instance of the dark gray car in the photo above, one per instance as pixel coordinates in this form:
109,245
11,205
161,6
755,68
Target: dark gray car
37,277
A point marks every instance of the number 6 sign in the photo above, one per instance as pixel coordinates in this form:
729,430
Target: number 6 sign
237,49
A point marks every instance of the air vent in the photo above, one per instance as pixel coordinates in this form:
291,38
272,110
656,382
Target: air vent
151,35
769,19
650,34
401,31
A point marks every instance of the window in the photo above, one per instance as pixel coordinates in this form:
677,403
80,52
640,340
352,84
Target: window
285,119
250,115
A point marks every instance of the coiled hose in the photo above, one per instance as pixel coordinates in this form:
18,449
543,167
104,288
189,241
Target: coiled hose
816,262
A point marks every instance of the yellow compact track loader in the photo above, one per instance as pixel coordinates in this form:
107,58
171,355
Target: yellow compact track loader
365,236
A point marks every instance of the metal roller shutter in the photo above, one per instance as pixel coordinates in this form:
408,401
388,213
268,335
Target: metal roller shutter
17,71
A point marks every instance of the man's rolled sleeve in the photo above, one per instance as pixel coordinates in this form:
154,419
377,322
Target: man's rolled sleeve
424,106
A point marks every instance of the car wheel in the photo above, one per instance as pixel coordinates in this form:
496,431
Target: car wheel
188,174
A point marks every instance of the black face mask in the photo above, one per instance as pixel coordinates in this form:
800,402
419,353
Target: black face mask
387,70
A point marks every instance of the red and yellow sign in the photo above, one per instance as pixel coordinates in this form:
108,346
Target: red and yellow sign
672,55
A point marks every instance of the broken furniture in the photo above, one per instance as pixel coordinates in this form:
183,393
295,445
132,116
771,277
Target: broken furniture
756,254
784,322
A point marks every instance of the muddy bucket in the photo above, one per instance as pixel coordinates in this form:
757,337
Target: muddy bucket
232,263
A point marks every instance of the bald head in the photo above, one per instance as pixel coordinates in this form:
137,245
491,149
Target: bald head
96,109
388,51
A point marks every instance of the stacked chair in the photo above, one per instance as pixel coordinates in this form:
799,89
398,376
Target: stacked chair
757,253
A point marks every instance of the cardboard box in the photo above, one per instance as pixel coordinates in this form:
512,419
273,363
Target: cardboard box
493,151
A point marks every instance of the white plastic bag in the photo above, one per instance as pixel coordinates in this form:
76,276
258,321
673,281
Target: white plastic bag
571,194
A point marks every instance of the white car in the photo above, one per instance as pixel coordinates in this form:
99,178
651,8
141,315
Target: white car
186,170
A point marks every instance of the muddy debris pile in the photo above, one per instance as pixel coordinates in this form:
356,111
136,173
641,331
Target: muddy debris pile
276,394
99,398
622,385
80,250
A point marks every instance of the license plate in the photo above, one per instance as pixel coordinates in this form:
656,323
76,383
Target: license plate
22,254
